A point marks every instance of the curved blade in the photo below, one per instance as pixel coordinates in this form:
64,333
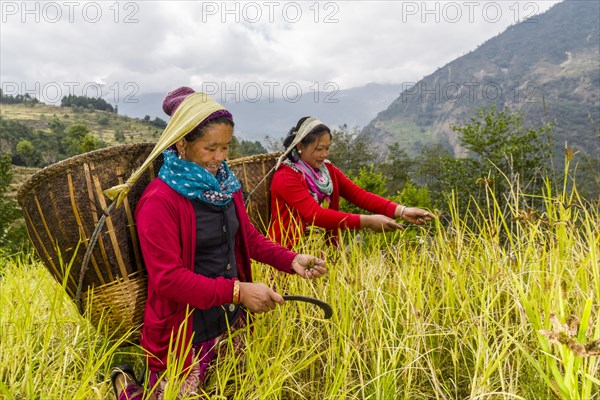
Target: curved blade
324,306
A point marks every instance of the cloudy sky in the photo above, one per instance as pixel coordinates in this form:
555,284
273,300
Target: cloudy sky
127,48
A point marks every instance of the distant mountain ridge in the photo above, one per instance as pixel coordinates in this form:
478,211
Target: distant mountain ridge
275,116
547,68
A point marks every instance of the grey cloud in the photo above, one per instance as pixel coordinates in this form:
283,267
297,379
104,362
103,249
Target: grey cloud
167,44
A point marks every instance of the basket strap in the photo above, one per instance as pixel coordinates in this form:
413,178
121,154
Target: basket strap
88,253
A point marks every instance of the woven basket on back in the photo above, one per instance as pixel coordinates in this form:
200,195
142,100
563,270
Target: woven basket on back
255,173
63,203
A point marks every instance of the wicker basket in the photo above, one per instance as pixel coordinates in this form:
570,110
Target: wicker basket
255,173
63,203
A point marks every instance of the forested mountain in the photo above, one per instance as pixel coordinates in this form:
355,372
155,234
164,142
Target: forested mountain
547,68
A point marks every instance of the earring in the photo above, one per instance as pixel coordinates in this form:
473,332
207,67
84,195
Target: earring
182,154
299,151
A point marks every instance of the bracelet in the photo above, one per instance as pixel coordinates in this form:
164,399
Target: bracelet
402,212
236,292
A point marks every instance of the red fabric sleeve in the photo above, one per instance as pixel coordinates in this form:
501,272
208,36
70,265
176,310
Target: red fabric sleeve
292,188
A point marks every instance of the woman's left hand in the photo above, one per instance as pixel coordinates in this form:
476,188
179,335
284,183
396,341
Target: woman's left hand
416,215
308,266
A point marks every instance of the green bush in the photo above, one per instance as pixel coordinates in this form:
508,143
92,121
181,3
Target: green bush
413,196
369,180
12,231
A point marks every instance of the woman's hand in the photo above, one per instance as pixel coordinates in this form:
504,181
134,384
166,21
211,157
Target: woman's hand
259,298
413,215
379,223
308,266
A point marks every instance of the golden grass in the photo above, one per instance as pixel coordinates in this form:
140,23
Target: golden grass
446,312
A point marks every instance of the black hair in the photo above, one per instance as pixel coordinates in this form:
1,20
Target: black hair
311,137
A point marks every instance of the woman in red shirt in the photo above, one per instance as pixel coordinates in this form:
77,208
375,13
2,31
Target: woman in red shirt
198,242
306,190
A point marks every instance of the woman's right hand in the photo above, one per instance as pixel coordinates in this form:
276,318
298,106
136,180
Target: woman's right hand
379,223
259,298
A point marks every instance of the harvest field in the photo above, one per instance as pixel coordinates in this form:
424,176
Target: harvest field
500,305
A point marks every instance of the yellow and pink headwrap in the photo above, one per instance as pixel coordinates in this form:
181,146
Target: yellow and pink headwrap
192,109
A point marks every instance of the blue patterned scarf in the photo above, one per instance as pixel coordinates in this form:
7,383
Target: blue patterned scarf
194,182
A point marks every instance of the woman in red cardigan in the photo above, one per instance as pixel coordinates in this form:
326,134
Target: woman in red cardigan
306,190
198,242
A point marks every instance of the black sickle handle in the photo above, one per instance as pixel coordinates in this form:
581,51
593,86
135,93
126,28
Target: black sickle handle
324,306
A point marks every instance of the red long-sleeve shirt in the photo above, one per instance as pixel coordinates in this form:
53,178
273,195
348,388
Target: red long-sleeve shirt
293,207
166,226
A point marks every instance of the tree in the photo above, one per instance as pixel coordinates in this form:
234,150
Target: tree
414,196
273,144
11,132
159,123
396,168
587,178
91,142
19,98
73,137
499,138
368,179
456,177
48,147
348,152
90,103
428,168
103,120
57,126
241,148
119,136
12,234
499,148
79,139
26,150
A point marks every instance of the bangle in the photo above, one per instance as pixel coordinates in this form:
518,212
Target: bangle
236,292
402,212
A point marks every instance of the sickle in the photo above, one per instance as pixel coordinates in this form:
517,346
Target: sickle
324,306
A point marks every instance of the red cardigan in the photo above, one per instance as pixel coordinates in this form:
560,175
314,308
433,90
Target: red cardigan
293,207
166,226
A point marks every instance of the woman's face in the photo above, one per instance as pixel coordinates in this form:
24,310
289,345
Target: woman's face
209,150
315,153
